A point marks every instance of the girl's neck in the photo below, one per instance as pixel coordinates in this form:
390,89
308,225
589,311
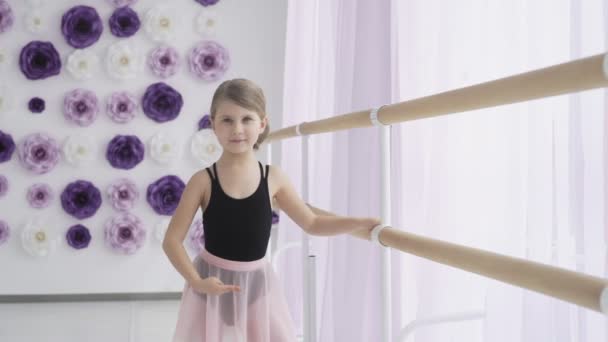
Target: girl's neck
230,160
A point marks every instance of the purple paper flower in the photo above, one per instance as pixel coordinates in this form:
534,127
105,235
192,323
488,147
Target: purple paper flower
3,186
39,153
162,103
124,233
5,232
163,61
207,2
124,22
6,16
125,151
121,107
163,195
209,60
81,26
7,147
40,195
275,217
122,3
122,194
204,122
196,236
39,60
81,199
36,105
78,236
80,107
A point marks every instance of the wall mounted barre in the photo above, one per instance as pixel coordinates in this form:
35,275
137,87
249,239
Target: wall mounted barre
579,75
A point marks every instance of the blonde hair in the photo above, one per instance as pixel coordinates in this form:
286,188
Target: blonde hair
246,94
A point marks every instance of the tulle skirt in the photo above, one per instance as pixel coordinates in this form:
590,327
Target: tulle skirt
258,313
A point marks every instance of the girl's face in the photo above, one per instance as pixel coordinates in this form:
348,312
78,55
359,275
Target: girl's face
237,128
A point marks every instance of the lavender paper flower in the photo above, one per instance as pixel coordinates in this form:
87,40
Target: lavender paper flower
5,232
7,147
162,103
125,151
6,16
196,236
125,233
122,3
3,186
209,60
80,106
81,26
204,122
163,195
122,194
207,2
81,199
163,61
38,153
78,236
39,60
36,105
124,22
40,195
121,107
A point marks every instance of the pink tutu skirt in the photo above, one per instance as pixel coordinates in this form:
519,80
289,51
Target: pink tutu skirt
258,313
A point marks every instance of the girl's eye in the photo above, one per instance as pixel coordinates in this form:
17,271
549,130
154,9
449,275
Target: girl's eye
226,120
248,119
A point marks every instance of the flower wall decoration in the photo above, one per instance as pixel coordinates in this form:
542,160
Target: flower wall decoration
80,106
207,2
122,194
205,148
124,233
79,150
163,195
196,236
122,3
3,185
160,23
163,149
121,107
125,151
36,105
209,60
39,153
204,122
82,64
7,17
39,60
206,23
123,61
35,22
81,26
124,22
81,199
7,147
161,102
163,61
40,195
37,238
5,232
78,236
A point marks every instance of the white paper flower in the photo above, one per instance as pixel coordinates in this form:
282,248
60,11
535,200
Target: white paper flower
79,149
205,147
206,22
83,64
5,59
123,61
37,239
160,23
163,149
34,21
6,101
161,229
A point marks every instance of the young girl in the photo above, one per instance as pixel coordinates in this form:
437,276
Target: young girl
231,289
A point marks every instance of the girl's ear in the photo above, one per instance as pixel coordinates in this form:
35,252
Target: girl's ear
263,123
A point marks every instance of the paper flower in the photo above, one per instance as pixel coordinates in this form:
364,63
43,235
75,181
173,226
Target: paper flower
79,150
5,59
275,217
122,194
81,199
121,107
163,195
206,22
6,101
163,149
209,60
5,232
124,22
163,61
7,147
3,186
125,151
124,233
37,239
196,236
207,2
83,64
36,105
34,22
40,195
78,236
81,26
122,3
123,61
80,106
38,152
161,102
39,60
205,147
160,23
6,16
204,122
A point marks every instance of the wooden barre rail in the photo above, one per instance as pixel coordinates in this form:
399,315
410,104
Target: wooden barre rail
583,74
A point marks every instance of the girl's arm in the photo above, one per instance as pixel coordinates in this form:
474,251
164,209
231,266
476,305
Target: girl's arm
314,224
361,233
